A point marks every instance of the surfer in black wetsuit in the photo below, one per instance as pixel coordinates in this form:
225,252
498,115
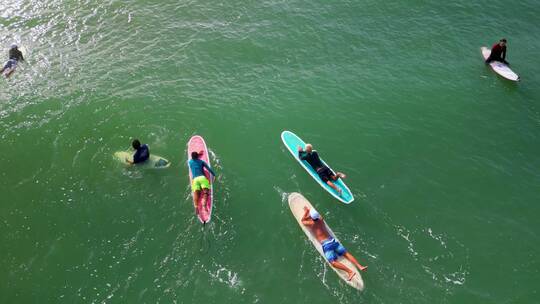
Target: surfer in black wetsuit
326,174
498,52
14,57
142,153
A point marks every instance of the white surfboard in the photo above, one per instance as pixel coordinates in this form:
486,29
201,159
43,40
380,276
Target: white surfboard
153,162
499,67
297,202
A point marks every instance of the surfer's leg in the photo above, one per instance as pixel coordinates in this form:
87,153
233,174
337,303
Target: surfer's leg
204,199
329,183
350,257
9,73
7,65
340,175
331,257
196,195
339,265
205,186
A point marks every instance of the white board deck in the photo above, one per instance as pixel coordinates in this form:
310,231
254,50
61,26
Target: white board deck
297,202
153,162
499,67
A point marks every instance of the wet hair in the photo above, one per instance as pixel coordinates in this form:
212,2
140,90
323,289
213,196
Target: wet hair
136,144
503,40
194,155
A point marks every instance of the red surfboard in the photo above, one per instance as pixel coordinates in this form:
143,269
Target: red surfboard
197,144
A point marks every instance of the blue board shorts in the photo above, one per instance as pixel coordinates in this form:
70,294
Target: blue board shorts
332,249
10,64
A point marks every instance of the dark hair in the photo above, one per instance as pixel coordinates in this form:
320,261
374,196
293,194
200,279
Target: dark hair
194,155
503,40
136,144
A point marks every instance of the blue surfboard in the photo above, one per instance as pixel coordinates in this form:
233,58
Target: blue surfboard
292,142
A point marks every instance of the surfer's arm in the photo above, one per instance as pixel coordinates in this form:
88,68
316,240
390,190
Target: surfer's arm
306,219
504,57
205,165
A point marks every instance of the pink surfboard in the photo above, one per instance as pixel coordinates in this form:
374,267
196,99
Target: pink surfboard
197,144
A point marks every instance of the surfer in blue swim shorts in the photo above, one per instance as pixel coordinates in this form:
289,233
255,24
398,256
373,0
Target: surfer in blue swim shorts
14,57
326,174
332,249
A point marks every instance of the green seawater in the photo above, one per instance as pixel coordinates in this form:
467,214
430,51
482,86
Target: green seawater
442,155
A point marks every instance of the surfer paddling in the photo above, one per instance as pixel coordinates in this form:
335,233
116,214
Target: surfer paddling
325,173
142,153
14,57
498,52
331,248
200,182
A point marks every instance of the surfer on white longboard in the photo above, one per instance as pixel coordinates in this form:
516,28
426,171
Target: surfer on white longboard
326,174
498,52
142,153
14,57
331,248
200,182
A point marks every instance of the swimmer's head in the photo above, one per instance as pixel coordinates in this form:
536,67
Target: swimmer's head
309,148
136,144
194,155
14,46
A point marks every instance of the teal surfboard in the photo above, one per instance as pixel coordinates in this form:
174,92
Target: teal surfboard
292,142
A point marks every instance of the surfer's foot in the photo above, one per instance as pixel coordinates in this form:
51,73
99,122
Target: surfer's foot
362,268
351,275
341,175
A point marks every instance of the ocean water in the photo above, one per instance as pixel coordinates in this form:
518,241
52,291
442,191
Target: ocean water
441,154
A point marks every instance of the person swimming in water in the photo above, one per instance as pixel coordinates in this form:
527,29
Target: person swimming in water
498,52
326,174
332,249
199,180
142,153
14,57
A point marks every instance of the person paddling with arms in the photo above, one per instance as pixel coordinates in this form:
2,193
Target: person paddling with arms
326,174
331,248
200,182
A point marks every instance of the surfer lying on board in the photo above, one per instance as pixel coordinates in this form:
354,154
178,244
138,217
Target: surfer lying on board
498,52
142,153
331,248
325,173
14,57
200,182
